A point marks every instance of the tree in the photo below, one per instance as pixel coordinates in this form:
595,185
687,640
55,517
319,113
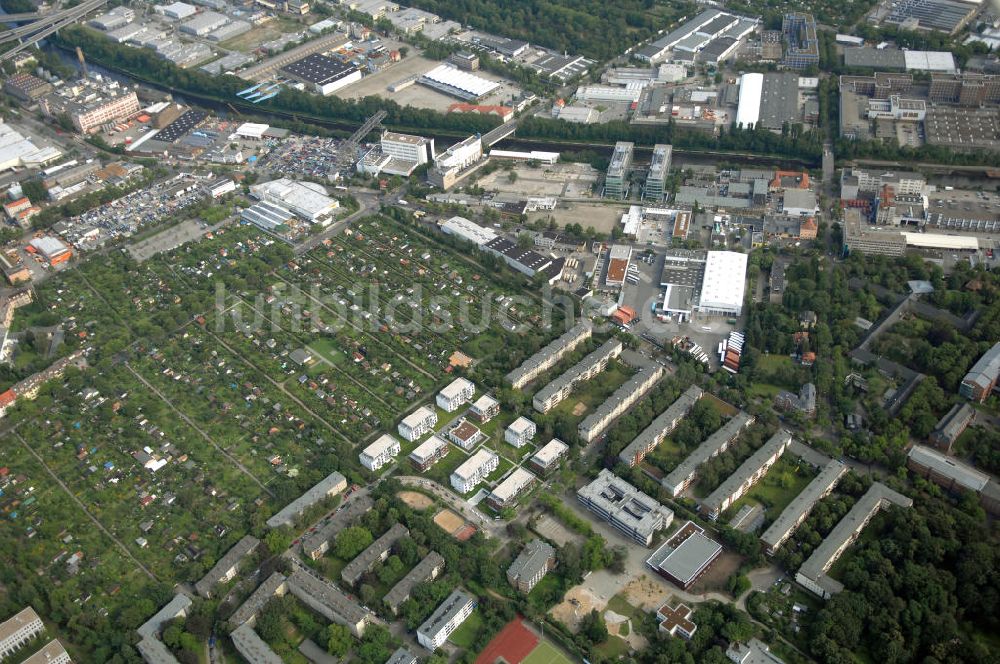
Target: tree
278,540
338,640
593,628
352,541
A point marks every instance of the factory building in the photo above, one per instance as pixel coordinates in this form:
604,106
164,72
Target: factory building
325,74
724,284
455,82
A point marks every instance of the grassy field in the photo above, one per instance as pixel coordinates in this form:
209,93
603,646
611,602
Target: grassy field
781,484
592,393
612,649
465,636
546,653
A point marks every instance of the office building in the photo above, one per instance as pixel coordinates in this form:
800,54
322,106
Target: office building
456,162
448,617
951,426
547,459
328,600
531,565
749,473
723,284
520,432
795,512
684,557
103,110
426,570
645,378
801,43
408,148
982,377
632,512
307,200
656,177
376,552
456,393
550,355
417,423
506,493
954,475
616,183
681,477
325,74
19,630
660,427
591,365
860,236
429,453
474,470
331,485
813,573
225,570
379,453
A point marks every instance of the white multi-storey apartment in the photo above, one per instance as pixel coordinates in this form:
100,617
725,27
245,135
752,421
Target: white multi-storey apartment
520,432
456,393
446,619
19,630
474,470
417,423
485,408
379,453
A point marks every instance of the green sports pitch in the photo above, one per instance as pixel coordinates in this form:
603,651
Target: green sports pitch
546,653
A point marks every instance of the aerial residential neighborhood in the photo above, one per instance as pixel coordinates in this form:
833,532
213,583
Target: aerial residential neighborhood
361,332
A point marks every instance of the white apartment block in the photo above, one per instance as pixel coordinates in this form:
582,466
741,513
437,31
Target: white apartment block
456,393
520,432
19,630
446,619
417,423
379,453
474,470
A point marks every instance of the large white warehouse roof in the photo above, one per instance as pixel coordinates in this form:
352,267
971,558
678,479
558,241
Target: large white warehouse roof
723,286
453,77
748,110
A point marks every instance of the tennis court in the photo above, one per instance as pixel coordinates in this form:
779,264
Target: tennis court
546,653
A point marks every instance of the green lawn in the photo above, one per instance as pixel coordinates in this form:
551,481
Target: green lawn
773,362
466,634
546,653
783,482
612,649
621,606
763,390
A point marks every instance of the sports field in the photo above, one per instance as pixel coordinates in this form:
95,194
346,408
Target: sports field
546,653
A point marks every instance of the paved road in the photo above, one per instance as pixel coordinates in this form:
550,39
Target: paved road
100,526
236,462
368,204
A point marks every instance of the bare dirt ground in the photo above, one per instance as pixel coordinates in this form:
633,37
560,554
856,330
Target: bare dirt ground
449,522
551,529
415,499
568,180
578,602
645,593
716,576
579,409
603,218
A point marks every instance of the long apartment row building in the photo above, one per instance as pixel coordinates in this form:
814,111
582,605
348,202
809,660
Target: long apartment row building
635,514
796,512
448,617
427,569
749,473
680,478
548,356
634,389
812,575
316,544
376,552
660,428
954,475
562,387
329,601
